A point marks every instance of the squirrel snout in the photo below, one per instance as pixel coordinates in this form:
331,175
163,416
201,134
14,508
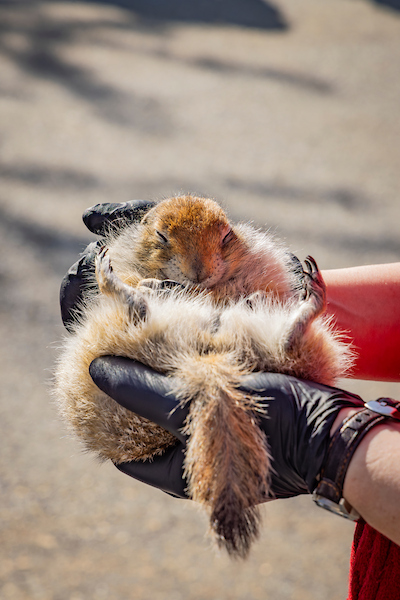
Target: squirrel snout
198,271
206,273
195,270
184,270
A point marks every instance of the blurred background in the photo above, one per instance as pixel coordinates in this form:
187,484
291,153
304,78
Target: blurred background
286,112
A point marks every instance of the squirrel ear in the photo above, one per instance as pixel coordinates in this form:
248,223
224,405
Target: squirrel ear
148,215
145,219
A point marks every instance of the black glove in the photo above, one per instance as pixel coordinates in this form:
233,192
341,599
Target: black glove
79,279
299,417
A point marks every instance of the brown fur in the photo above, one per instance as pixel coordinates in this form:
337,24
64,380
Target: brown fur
241,310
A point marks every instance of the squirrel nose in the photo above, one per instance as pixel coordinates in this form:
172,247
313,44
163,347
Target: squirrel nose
199,272
198,275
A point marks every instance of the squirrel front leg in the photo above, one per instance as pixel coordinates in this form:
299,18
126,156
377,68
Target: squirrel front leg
111,285
312,304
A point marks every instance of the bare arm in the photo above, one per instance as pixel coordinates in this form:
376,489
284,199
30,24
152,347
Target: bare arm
372,483
365,302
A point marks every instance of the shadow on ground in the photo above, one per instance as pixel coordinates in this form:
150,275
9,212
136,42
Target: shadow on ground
394,4
244,13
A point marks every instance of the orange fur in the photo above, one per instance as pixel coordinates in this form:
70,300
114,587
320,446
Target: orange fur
240,310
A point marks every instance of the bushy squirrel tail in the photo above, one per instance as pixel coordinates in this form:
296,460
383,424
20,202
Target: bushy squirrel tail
227,461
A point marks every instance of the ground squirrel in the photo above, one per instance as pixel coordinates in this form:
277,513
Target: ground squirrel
243,305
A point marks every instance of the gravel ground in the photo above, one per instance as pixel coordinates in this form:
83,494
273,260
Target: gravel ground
287,113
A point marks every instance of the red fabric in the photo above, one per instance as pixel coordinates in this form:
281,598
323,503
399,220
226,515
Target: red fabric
374,566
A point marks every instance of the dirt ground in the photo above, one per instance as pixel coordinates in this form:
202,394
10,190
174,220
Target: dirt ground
289,114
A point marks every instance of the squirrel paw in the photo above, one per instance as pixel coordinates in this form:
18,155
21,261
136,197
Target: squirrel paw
312,304
105,276
111,285
314,288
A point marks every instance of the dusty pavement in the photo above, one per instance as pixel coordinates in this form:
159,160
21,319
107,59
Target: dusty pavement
289,114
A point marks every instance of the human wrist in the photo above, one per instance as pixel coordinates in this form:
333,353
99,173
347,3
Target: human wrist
328,492
372,483
353,465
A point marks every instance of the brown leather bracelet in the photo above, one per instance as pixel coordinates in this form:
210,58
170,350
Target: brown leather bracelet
329,492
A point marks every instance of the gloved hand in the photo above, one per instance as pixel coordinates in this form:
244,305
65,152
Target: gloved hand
97,219
299,417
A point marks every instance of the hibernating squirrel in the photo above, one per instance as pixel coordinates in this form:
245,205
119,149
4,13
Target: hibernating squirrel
242,306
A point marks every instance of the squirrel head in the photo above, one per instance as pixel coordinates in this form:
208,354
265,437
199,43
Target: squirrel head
189,240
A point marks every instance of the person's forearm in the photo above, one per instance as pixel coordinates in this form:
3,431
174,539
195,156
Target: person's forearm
365,302
372,483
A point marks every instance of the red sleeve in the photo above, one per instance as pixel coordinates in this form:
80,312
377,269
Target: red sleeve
374,566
